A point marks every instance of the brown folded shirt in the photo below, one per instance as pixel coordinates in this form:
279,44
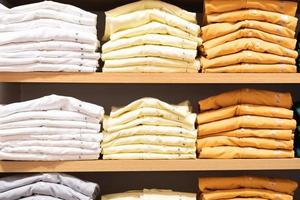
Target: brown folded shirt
247,96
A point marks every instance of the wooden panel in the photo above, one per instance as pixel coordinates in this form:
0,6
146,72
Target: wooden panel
181,78
149,165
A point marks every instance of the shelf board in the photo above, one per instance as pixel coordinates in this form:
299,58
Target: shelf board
149,78
150,165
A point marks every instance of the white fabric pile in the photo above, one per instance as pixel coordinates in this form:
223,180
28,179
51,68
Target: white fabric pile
50,128
47,187
150,129
152,194
150,36
48,36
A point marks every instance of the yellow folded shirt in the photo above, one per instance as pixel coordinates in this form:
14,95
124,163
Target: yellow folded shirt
243,153
251,33
252,14
251,44
244,109
246,121
253,68
247,96
287,186
220,6
149,69
260,143
250,57
220,29
225,194
259,133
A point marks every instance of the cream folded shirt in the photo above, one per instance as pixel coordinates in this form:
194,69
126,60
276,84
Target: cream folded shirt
252,14
175,53
215,30
147,156
227,152
149,69
251,44
138,18
150,130
151,61
250,57
152,140
149,39
155,28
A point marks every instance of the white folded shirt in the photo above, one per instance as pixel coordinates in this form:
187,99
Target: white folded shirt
95,138
52,54
49,115
46,23
51,143
46,131
53,102
47,34
51,123
12,17
47,68
49,46
46,157
40,197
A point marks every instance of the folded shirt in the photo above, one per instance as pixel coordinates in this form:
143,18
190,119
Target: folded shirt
251,44
51,54
149,39
148,62
215,30
175,53
220,6
227,152
152,140
37,197
252,14
142,17
261,193
253,68
148,156
246,121
250,57
150,130
37,67
149,69
53,102
257,133
207,184
289,43
87,188
155,28
247,96
244,109
260,143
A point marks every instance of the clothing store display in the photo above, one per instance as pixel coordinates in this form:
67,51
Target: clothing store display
150,129
47,186
150,194
50,128
246,123
153,36
249,36
246,187
48,36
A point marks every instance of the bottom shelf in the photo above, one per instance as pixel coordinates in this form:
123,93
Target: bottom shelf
150,165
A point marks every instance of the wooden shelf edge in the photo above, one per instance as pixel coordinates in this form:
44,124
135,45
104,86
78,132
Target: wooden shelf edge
150,165
150,78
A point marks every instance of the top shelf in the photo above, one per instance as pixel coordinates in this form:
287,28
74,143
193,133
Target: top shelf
149,78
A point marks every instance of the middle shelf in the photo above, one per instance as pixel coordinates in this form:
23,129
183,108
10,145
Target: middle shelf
150,165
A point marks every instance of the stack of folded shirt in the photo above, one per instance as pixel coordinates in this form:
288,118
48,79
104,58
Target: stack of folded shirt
249,36
50,128
152,194
297,134
47,187
48,36
246,123
150,129
246,187
151,36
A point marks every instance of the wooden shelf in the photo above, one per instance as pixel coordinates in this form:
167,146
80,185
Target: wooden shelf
156,78
149,165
